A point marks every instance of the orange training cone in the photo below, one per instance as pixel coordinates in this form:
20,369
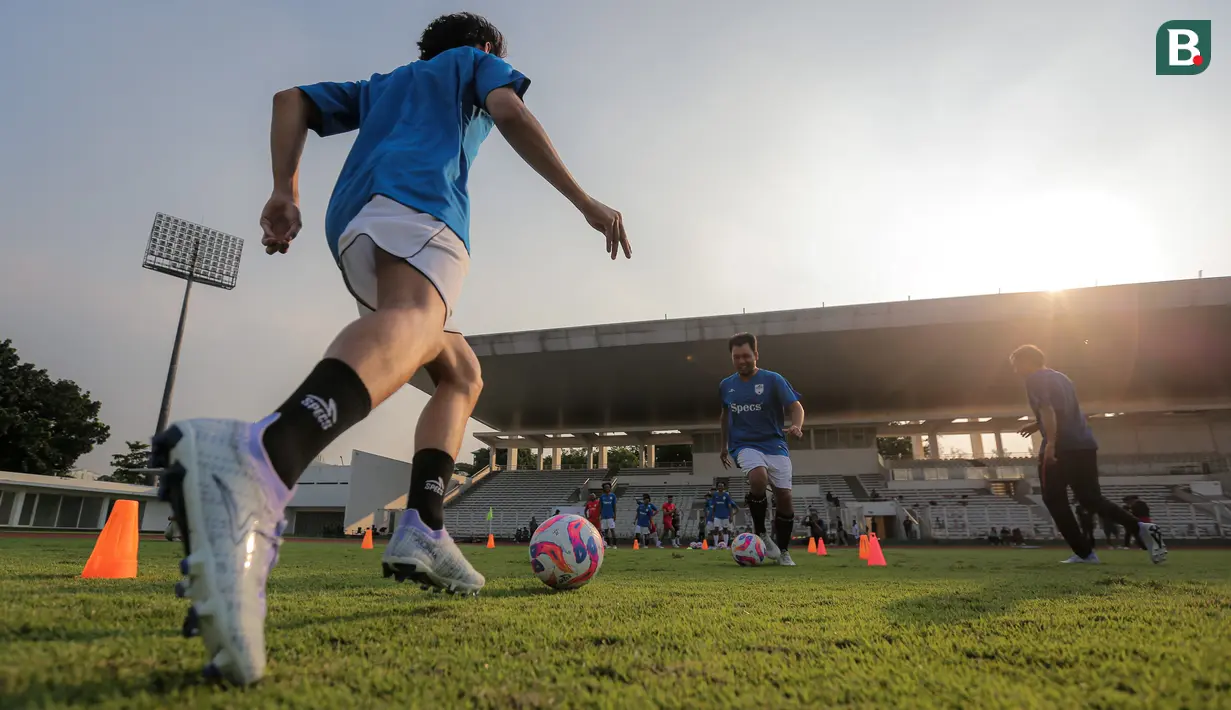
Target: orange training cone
491,541
876,558
115,551
812,545
636,544
863,547
820,547
367,540
705,544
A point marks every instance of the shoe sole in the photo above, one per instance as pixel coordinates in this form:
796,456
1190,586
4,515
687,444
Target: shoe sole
204,617
426,578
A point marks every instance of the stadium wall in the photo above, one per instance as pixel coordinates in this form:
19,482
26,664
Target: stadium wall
1187,434
377,484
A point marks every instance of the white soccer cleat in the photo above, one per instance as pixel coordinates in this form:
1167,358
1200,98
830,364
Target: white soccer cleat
784,559
771,549
429,557
229,504
1153,538
1075,560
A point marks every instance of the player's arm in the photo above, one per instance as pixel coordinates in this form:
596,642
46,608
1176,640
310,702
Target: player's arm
1047,417
526,136
796,413
724,430
326,108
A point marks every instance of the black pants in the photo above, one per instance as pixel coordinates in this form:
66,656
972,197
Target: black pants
1078,470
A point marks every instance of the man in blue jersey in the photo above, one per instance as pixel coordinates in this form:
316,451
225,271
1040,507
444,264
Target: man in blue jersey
645,515
398,227
723,507
755,404
607,514
1070,459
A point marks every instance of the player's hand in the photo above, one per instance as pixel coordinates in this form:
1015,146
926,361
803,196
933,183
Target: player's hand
725,457
611,224
1049,452
280,223
1028,430
795,431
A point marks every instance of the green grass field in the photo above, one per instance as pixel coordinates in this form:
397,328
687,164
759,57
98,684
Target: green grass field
687,629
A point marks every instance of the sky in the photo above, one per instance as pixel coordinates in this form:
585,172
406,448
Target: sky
765,156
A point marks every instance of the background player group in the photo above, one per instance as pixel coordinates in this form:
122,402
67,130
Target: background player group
398,228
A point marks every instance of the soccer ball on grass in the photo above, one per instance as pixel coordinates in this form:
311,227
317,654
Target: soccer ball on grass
566,551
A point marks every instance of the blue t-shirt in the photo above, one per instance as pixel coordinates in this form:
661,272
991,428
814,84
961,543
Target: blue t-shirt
607,503
723,505
1048,387
756,411
645,511
420,128
709,510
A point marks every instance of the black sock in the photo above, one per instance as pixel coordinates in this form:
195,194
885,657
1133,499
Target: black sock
332,400
430,471
757,508
783,527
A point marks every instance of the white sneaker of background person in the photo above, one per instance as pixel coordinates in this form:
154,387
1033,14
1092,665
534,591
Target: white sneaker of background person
784,559
429,557
1153,538
1092,559
232,521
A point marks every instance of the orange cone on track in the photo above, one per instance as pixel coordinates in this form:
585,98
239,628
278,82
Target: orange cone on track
876,557
705,544
863,547
367,540
812,545
115,551
491,541
820,547
636,545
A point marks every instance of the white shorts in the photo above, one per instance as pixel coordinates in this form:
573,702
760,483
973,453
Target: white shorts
607,524
423,241
778,467
721,524
641,530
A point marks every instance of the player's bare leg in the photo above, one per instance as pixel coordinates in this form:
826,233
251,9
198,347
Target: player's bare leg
229,481
421,548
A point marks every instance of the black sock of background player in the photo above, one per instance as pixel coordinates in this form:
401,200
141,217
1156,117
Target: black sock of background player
783,527
757,508
331,400
430,471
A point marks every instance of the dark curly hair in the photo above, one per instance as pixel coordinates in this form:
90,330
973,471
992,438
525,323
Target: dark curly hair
461,29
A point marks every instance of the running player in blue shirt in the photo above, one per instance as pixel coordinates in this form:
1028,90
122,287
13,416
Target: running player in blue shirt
645,514
755,403
723,507
607,513
398,227
1070,458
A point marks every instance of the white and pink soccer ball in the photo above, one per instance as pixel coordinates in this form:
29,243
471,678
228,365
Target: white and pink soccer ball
748,550
566,551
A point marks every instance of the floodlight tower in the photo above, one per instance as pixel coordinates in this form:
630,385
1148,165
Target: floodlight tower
193,253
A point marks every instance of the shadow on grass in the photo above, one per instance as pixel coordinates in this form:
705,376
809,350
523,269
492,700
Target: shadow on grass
113,687
988,601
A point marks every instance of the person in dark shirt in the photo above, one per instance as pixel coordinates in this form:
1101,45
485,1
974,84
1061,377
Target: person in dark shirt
1070,457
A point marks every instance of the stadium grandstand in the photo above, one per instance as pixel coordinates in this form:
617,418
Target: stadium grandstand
1149,361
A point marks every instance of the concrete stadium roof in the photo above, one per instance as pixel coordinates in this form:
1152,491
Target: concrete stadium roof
1130,348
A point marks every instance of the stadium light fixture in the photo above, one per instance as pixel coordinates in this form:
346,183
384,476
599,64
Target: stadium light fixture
194,253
